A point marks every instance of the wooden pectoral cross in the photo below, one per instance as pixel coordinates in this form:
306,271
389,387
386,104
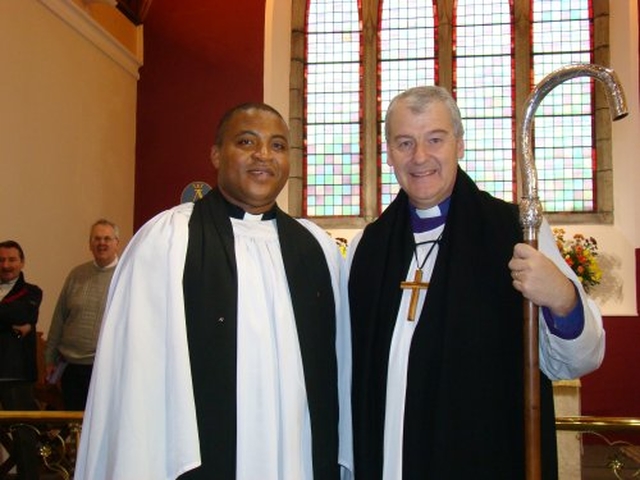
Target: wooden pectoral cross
415,286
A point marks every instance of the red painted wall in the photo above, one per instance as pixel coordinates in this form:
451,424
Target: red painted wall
614,389
201,57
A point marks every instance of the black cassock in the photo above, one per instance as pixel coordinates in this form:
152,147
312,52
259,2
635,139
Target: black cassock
464,413
210,289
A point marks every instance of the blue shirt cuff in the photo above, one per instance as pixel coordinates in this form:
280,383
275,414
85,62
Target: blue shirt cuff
569,327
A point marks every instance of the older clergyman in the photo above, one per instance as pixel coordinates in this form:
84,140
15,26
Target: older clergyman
436,291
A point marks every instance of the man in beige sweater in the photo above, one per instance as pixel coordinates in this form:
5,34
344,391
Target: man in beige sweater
75,326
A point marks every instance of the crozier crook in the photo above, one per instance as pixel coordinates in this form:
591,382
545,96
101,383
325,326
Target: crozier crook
531,219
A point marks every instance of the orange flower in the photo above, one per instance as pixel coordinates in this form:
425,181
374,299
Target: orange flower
580,254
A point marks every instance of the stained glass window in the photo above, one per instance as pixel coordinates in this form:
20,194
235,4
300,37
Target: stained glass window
469,47
563,128
407,59
332,126
484,92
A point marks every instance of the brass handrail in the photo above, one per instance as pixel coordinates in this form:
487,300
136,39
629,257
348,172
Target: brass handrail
40,416
44,418
570,423
624,457
598,424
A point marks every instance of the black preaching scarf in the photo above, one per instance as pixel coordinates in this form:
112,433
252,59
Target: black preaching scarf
210,289
464,414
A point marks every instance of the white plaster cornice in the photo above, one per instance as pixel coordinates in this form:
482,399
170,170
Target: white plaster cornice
85,25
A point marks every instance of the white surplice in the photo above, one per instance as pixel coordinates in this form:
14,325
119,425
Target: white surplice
140,421
399,355
273,423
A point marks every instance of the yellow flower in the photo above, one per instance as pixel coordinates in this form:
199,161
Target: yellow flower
580,254
343,244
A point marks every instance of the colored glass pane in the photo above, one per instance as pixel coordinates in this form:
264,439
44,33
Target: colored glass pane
332,113
483,88
563,128
407,59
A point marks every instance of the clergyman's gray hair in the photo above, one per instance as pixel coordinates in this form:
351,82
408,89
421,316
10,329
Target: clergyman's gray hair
419,98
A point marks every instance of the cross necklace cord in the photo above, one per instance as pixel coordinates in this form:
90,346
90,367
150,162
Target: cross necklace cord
417,284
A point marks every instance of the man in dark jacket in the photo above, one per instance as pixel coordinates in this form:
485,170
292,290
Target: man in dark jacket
19,305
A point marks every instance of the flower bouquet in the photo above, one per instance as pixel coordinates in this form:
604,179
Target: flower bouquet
580,253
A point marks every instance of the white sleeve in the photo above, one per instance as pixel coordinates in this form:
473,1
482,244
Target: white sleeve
140,418
567,359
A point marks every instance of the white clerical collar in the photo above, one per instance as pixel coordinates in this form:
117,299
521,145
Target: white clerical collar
424,220
436,211
107,267
429,212
252,218
236,212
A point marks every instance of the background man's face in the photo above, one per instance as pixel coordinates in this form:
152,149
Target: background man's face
103,244
10,264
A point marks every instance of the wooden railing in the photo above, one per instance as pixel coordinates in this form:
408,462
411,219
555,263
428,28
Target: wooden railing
58,435
614,433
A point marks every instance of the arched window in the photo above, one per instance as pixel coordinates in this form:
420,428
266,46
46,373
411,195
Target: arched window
332,109
351,57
